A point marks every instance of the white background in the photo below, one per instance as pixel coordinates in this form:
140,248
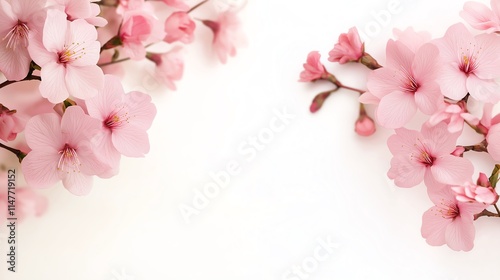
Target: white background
316,179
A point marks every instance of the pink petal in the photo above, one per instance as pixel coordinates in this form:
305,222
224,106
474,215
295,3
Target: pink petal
368,98
38,52
78,126
452,170
493,139
399,56
14,64
383,81
425,66
468,210
40,168
406,174
488,61
107,153
54,31
413,40
396,109
85,35
101,105
85,81
78,183
460,234
483,90
53,86
429,98
434,227
142,110
43,132
443,142
478,15
403,141
431,183
452,82
25,9
91,164
131,141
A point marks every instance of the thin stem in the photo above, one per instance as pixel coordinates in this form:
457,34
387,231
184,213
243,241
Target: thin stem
332,79
496,208
486,213
20,155
28,78
197,6
113,62
481,147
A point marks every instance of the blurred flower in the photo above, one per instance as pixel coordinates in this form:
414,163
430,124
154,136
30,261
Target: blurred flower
10,124
313,68
169,66
479,16
179,27
349,47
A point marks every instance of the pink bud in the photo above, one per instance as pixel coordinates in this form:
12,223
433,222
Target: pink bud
365,126
459,151
483,180
349,48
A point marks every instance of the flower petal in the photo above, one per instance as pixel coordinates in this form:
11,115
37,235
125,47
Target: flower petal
131,141
78,183
85,81
77,126
40,168
43,132
396,109
53,86
54,31
460,234
434,227
452,170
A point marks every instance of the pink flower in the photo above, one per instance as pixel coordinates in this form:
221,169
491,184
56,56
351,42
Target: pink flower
313,68
227,34
454,115
67,53
482,192
125,118
406,84
470,64
412,39
62,150
179,4
136,29
169,66
479,16
348,49
83,9
427,156
129,5
179,27
10,124
28,202
450,221
364,126
18,19
493,139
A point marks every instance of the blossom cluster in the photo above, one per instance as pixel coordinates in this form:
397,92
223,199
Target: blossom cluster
453,80
80,121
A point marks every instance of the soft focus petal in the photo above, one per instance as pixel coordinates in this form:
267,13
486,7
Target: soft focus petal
396,109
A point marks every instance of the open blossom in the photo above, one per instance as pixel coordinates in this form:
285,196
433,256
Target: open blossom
62,150
18,19
125,118
228,35
481,192
10,124
313,68
426,156
179,27
349,47
406,84
136,29
470,65
169,66
83,9
67,53
480,17
450,221
454,115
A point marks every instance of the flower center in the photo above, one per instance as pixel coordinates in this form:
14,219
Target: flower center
426,159
117,118
408,82
18,35
71,52
448,209
468,59
69,160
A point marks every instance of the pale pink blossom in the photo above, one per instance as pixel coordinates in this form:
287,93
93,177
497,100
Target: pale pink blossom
68,53
412,39
406,84
10,124
83,9
28,203
129,5
450,221
454,115
365,126
313,68
124,118
481,192
426,156
470,65
169,66
349,47
178,4
179,27
493,139
62,150
480,17
136,29
18,20
228,35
